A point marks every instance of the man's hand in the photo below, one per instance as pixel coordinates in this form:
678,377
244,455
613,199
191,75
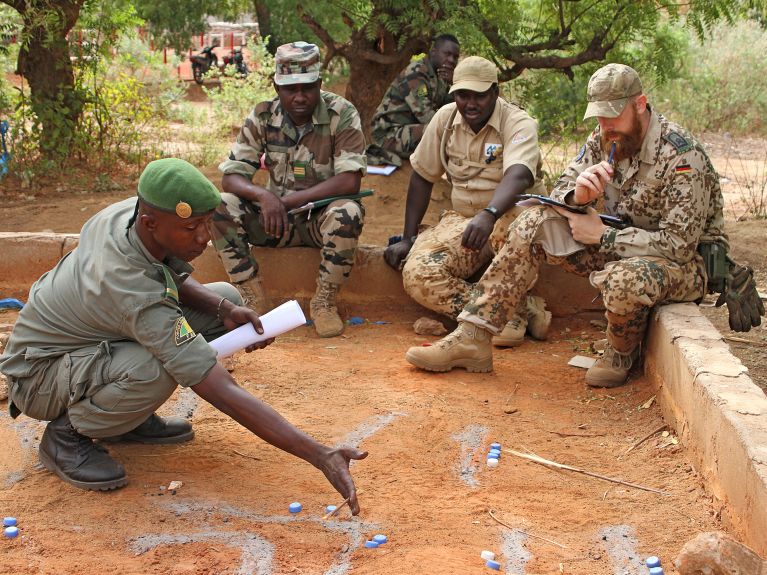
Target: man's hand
446,73
335,465
234,316
274,216
744,305
395,254
586,228
478,231
590,184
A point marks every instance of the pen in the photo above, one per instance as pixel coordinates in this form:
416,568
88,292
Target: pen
612,154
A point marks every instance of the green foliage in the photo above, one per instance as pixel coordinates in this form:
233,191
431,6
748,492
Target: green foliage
723,84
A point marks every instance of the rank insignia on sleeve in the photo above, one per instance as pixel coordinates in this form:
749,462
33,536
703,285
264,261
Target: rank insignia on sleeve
679,142
182,331
299,170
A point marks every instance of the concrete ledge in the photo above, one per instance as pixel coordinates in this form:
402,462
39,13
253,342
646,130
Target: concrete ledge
719,413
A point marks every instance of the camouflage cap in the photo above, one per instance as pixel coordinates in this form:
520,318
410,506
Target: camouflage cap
474,73
609,90
296,63
174,185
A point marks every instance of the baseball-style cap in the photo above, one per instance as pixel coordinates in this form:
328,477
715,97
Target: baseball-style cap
609,90
296,63
174,185
474,73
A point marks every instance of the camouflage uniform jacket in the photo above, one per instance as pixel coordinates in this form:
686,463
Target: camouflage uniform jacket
668,193
413,98
333,143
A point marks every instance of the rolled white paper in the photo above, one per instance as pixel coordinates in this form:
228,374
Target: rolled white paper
281,319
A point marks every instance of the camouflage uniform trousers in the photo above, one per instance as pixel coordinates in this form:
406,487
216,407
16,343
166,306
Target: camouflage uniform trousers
335,229
400,140
630,287
438,268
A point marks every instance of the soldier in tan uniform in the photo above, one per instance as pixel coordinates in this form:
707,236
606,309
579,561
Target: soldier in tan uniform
658,180
109,333
488,148
312,144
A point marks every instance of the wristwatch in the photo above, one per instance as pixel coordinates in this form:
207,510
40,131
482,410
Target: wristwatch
494,211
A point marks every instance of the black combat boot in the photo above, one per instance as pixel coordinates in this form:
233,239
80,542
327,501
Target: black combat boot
158,431
77,459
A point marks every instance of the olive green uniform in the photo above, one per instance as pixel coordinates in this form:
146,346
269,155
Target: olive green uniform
104,336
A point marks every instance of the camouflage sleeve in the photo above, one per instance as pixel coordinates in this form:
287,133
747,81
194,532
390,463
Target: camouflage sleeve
418,101
588,155
425,159
520,145
349,143
245,156
684,215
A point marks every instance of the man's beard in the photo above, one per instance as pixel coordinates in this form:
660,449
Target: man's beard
626,144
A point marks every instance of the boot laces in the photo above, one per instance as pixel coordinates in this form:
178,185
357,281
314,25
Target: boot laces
85,444
515,322
616,359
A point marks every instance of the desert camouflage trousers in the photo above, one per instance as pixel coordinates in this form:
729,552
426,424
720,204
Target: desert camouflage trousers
437,270
630,287
400,140
335,229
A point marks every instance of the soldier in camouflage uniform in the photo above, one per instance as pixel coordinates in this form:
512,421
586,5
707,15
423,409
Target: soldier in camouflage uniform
110,333
412,99
660,183
489,161
312,144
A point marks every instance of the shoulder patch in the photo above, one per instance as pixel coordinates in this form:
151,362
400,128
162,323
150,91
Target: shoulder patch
581,153
182,331
680,143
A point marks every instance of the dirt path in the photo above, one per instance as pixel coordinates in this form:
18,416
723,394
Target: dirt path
426,485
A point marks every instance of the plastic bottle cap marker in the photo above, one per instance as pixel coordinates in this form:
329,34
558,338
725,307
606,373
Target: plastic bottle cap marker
652,562
330,508
487,555
371,544
495,445
656,571
295,507
380,538
9,521
11,531
493,565
492,462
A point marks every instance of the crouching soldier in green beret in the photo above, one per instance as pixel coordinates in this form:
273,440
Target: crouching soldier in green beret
312,144
109,333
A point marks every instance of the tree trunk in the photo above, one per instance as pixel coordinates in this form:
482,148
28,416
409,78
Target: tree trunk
264,16
45,63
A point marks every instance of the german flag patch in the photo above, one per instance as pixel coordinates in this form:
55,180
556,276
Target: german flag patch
182,331
683,169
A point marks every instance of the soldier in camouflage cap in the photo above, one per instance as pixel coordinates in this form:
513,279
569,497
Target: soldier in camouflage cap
411,101
109,334
311,143
651,174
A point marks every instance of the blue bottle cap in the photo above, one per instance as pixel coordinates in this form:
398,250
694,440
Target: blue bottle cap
330,508
371,544
295,507
656,571
380,538
9,521
11,531
495,446
493,565
494,453
652,562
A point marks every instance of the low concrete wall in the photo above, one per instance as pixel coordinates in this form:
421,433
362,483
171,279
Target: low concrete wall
718,412
703,389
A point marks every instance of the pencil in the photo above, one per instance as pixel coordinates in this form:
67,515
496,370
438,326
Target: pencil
612,154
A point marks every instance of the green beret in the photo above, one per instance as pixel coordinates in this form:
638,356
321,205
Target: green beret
174,185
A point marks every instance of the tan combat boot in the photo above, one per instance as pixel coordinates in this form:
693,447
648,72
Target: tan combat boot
513,333
252,291
469,346
538,317
612,369
323,310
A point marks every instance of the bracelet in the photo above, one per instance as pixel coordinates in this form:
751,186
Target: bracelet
218,309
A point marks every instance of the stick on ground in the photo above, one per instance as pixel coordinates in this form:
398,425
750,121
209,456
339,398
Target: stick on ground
490,511
645,438
537,459
340,506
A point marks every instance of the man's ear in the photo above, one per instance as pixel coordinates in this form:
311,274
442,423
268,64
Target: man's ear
641,103
149,221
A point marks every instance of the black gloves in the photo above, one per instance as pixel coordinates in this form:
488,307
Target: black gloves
742,299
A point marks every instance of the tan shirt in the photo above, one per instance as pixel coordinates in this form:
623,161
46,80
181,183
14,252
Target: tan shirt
477,162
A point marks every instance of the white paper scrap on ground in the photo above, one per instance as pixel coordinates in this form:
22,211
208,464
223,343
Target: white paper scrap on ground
381,170
582,361
281,319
